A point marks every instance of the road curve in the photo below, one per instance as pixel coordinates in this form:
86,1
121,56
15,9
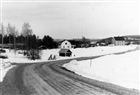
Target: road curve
49,78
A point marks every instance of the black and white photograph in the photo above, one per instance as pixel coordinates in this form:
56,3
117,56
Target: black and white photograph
69,47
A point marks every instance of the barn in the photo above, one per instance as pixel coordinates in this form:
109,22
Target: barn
65,52
66,45
118,41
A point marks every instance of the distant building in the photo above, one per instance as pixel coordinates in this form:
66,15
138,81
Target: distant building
118,41
92,43
65,52
66,45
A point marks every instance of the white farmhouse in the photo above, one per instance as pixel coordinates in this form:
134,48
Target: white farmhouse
118,41
66,45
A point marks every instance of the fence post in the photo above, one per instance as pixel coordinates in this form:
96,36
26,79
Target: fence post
90,62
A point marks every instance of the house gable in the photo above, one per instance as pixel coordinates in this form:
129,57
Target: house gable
118,41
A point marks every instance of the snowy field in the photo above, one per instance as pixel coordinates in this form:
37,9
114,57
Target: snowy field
122,69
78,52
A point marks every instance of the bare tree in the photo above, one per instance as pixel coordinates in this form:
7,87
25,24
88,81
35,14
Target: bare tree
26,31
15,35
2,32
11,30
8,29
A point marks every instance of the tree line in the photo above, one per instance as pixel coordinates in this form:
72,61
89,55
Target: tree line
25,39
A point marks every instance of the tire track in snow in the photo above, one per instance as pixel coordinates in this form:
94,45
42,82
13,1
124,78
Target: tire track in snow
48,78
40,86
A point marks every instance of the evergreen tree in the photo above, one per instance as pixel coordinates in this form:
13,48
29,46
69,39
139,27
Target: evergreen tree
49,42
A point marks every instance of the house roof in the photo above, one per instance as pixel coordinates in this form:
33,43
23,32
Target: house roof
119,38
64,51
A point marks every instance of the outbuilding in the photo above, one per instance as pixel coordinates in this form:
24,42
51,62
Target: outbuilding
65,52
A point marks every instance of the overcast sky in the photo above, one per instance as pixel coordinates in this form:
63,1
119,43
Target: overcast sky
74,19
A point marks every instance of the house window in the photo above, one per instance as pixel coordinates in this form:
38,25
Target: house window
65,43
63,46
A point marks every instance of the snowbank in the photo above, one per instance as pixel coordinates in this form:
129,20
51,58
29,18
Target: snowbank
120,69
4,70
95,51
